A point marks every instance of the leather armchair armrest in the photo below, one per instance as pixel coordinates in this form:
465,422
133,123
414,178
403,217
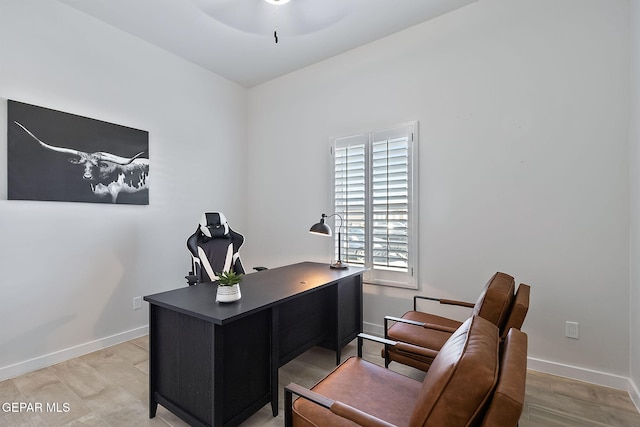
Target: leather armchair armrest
376,339
314,397
385,341
417,297
414,349
421,324
441,301
400,346
357,416
460,303
400,319
338,408
447,329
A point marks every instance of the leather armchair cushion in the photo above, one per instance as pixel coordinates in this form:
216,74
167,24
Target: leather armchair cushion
494,302
508,398
429,338
453,392
426,338
368,387
411,355
518,310
461,378
410,359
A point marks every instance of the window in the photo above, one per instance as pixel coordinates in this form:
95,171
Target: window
374,192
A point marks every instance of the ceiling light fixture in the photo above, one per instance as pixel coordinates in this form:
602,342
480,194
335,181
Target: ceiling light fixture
294,18
279,3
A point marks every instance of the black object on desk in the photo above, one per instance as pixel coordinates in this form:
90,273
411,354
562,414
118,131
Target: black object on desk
216,364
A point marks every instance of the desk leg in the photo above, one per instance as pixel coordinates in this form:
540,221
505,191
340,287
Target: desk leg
338,287
275,358
153,403
153,407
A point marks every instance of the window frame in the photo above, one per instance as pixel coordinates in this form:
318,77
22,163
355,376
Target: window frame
379,276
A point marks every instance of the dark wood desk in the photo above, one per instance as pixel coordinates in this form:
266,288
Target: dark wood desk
216,364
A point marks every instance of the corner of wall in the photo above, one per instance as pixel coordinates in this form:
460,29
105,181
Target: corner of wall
634,393
634,243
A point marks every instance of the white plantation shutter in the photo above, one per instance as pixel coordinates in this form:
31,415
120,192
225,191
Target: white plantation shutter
350,196
390,201
374,187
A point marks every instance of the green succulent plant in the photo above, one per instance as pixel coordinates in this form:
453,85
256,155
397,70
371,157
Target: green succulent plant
229,278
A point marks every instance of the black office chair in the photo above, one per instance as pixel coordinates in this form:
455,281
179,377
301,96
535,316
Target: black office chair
214,248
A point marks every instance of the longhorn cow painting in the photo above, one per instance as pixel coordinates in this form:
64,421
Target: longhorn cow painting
52,155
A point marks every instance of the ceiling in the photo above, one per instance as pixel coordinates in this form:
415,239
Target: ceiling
235,38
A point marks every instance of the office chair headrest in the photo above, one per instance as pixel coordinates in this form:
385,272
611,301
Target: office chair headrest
214,224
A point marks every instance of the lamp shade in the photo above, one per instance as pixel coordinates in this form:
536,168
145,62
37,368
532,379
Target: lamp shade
320,228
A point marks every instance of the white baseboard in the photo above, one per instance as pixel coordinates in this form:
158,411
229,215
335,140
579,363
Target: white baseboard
545,366
568,371
577,373
40,362
634,393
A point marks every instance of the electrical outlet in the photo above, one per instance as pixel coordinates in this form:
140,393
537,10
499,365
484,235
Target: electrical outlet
137,303
572,330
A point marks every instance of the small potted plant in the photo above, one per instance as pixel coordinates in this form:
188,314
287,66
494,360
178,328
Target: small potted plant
228,286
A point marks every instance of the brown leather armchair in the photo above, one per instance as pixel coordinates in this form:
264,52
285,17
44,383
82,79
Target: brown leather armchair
518,311
458,390
420,335
507,400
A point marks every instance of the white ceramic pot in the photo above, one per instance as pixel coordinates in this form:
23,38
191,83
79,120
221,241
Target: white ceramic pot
228,293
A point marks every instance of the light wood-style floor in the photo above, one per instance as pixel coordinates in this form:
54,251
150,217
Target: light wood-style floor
110,388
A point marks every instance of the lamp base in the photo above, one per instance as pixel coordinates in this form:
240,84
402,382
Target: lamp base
339,265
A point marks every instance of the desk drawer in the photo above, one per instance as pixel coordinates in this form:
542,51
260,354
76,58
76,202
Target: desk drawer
303,322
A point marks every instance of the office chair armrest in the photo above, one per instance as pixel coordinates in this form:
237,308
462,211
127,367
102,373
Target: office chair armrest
441,301
336,407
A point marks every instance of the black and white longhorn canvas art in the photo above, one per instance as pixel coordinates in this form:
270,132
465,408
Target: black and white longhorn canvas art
52,155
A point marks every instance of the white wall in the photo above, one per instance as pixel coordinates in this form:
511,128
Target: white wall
523,108
69,271
634,139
